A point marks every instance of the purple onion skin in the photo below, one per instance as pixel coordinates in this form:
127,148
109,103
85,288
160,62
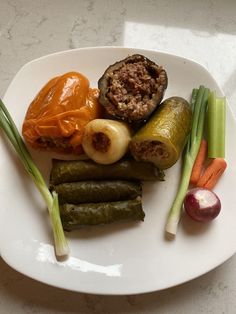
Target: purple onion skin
202,205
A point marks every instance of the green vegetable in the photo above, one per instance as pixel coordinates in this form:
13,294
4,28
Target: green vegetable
97,191
9,128
80,170
75,216
216,126
162,139
199,102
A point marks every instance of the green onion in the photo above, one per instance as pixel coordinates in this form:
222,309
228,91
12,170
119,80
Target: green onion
9,128
199,101
216,126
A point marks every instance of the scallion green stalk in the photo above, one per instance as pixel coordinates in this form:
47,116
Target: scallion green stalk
199,101
216,126
9,128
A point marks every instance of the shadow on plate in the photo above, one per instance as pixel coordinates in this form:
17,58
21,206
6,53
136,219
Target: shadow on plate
192,228
89,232
189,227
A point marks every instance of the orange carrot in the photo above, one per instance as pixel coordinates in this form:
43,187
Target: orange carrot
199,161
212,173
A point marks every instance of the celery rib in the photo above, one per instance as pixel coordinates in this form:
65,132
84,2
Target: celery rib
216,126
9,128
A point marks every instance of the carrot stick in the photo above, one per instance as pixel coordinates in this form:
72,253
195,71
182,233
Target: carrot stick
197,167
212,173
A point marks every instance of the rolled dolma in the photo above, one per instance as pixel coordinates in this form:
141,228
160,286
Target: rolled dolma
162,138
80,170
75,216
97,191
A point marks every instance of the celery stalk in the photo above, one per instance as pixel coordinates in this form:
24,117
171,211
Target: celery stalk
199,102
216,126
9,128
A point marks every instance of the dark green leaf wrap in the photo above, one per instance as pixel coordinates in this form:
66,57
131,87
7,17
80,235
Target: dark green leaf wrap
78,170
97,191
75,216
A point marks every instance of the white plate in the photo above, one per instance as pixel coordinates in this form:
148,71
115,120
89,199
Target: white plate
123,258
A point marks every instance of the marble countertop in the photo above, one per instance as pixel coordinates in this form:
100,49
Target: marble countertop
204,31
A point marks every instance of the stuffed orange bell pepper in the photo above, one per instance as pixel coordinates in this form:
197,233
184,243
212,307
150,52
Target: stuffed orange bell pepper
57,116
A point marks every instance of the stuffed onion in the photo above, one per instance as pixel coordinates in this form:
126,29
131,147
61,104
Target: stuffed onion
106,141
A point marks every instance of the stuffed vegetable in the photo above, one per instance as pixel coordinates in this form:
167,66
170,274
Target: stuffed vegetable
56,118
97,191
106,141
132,88
75,216
162,138
80,170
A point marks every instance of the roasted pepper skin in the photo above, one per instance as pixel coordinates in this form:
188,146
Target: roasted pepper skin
59,112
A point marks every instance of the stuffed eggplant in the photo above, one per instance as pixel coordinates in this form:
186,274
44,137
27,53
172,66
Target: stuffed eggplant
80,170
75,216
97,191
162,139
132,88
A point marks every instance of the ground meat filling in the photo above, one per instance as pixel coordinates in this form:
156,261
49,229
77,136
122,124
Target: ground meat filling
54,142
135,88
149,149
101,142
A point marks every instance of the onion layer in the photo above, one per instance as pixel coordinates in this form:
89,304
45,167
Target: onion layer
106,141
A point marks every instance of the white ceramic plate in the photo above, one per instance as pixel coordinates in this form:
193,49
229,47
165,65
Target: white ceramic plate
123,258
